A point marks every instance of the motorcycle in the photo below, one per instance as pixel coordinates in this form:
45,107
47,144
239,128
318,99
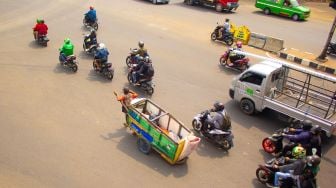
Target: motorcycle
223,139
227,38
70,62
106,70
144,83
89,25
131,59
240,64
89,48
331,49
42,40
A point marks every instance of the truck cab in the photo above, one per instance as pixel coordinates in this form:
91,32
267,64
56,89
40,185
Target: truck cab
219,5
287,8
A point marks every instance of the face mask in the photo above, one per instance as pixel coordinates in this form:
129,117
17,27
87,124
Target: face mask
309,164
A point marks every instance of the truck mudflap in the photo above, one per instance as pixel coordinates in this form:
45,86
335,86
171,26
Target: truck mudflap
325,124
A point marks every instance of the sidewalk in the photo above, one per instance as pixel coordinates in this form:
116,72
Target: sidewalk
309,59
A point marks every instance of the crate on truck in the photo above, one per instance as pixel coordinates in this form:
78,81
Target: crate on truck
289,89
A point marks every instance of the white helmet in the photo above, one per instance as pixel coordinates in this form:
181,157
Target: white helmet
101,45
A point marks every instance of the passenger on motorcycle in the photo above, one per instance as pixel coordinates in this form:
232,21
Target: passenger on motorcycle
101,56
235,56
142,51
217,120
315,141
40,29
91,39
297,166
226,28
310,172
66,50
142,70
91,15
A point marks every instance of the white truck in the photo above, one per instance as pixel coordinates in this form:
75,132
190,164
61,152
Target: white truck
289,89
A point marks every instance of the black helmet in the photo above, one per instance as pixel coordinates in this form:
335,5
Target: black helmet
307,124
125,90
313,160
316,129
218,106
227,19
141,44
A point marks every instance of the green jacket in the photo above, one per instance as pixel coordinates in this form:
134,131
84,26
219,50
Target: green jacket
67,49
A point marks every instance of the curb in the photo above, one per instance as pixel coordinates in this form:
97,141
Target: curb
306,62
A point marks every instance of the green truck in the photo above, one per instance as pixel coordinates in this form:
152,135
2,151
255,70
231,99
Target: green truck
288,8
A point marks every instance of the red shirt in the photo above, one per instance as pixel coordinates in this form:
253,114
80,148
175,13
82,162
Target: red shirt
41,28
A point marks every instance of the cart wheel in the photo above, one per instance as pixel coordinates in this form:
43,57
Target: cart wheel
182,161
144,146
268,145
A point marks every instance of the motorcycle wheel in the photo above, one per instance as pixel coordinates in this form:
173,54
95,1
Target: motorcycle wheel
95,26
109,75
94,67
262,175
213,36
196,126
74,67
150,90
84,48
223,61
268,145
229,41
128,61
129,77
328,50
225,144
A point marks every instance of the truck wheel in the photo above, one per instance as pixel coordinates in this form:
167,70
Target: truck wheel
144,146
189,2
267,11
247,106
295,17
219,7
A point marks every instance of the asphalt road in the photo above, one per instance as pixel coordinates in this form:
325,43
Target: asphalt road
60,129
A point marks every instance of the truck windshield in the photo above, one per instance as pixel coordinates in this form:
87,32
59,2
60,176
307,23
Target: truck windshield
294,3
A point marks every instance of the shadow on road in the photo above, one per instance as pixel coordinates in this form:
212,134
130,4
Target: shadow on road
261,13
96,76
60,69
228,71
148,2
207,149
202,8
85,56
35,45
257,184
128,145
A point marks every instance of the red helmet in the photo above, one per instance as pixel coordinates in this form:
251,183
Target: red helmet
91,8
239,44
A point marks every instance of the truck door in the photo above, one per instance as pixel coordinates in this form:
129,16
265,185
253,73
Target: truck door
251,86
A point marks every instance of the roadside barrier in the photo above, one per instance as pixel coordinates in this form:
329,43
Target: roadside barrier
257,40
273,44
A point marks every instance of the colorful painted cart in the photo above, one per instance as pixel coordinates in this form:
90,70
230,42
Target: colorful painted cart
158,130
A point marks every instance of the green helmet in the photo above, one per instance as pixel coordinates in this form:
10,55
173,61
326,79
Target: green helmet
38,20
67,41
298,152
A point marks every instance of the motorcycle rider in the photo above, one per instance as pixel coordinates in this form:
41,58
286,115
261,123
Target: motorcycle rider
310,172
142,51
303,135
296,165
91,39
40,29
66,50
226,28
91,15
235,56
142,70
315,141
217,120
101,56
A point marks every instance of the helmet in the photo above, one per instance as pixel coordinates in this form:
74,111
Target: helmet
147,59
298,152
67,41
316,129
125,90
227,19
42,21
313,160
307,124
101,46
38,20
218,106
239,44
141,44
91,8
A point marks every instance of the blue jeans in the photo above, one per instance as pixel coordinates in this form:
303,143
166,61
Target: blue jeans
62,57
135,76
280,175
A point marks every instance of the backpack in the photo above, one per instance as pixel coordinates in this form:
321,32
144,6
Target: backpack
150,71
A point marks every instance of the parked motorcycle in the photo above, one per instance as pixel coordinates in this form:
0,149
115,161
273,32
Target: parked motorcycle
331,49
144,83
70,62
42,40
223,139
88,47
106,70
90,25
227,38
240,64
